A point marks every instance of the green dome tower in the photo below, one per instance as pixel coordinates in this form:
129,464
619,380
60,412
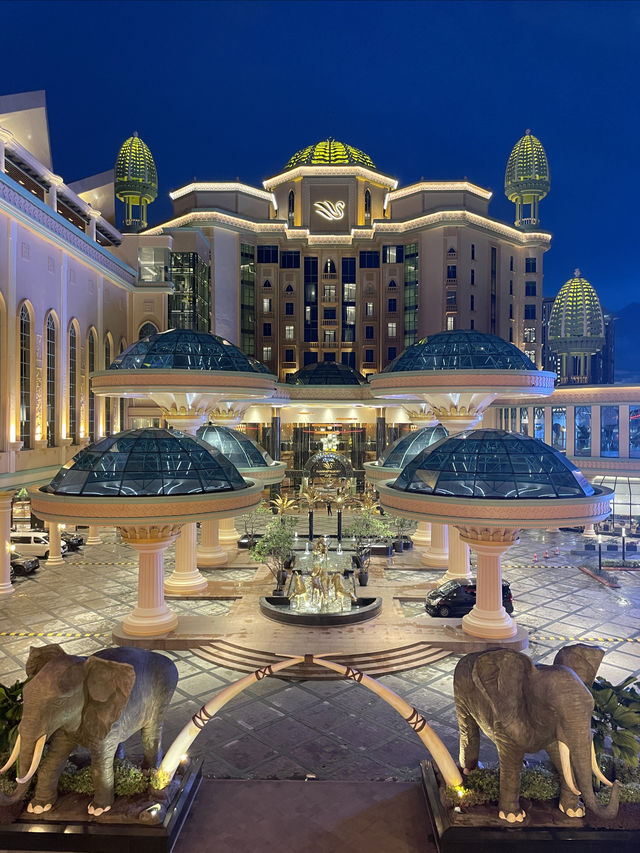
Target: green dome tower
526,179
330,152
576,329
136,182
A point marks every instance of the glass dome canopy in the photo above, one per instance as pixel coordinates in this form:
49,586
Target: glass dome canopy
461,350
235,446
185,349
406,448
146,463
330,152
493,463
326,373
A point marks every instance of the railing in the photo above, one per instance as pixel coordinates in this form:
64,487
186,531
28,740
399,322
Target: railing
452,281
330,322
330,276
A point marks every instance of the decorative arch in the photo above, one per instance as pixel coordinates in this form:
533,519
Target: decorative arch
291,209
413,717
108,354
92,365
330,267
51,337
25,362
146,329
367,207
266,283
288,288
73,377
122,345
392,283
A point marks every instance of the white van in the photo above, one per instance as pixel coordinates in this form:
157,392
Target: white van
34,542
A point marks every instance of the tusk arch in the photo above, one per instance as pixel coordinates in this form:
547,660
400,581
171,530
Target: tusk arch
567,772
596,770
15,752
37,755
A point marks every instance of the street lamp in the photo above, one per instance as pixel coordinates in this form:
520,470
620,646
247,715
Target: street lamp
624,543
599,553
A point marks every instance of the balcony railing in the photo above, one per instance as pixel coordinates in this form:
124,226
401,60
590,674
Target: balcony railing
330,276
330,322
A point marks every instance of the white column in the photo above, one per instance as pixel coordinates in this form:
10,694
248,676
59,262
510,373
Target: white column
227,533
437,555
459,562
94,535
210,553
6,587
55,554
590,531
55,181
422,536
186,578
488,618
151,615
94,215
5,136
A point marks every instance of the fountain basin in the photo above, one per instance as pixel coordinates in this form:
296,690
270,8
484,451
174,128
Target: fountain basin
278,608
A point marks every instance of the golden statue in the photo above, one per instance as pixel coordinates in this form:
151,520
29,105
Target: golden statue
299,590
340,589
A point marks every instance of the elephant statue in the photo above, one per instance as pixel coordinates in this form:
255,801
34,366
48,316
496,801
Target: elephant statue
525,707
97,702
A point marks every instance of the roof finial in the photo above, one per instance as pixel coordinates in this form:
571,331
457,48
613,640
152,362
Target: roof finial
576,273
527,132
135,132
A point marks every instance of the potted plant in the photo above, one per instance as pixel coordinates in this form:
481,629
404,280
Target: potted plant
399,526
366,527
253,522
275,549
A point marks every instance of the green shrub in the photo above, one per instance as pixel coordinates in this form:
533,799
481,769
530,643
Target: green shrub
616,716
10,716
128,780
538,783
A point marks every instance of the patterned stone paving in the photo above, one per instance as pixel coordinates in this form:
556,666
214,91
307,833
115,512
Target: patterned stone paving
335,730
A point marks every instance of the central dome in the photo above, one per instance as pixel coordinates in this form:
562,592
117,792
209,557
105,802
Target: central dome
146,463
330,152
461,350
493,463
326,373
184,349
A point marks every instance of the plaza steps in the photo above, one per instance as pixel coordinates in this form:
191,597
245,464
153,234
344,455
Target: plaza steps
229,655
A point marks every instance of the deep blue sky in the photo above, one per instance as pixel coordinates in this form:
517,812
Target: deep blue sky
434,89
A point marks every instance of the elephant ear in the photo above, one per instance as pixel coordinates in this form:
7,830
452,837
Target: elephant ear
500,675
583,660
108,685
40,655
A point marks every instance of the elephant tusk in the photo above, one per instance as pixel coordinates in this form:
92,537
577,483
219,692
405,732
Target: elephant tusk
596,770
37,755
15,752
565,760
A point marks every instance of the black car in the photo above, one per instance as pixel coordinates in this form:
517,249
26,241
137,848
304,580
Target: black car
21,565
73,540
456,598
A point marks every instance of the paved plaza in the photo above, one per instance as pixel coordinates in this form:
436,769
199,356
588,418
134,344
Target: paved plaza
333,730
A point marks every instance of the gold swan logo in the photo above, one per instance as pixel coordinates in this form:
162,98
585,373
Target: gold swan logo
330,210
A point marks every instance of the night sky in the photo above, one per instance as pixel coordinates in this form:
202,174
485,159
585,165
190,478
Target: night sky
221,90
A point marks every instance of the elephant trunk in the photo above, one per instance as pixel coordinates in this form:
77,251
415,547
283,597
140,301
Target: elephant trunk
17,795
581,761
28,752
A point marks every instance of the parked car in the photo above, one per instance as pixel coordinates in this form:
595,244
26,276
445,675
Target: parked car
73,540
22,565
34,543
456,598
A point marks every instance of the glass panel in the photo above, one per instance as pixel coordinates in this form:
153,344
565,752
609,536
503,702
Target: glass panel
559,428
538,423
463,349
51,382
609,431
582,431
634,432
524,420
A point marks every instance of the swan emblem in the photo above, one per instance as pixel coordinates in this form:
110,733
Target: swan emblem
330,211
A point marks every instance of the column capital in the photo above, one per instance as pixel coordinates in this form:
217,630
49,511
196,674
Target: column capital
489,538
93,213
149,537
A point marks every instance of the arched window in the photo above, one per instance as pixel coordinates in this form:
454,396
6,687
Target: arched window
329,268
267,283
122,425
25,377
91,366
51,381
147,329
108,425
288,289
367,207
392,283
73,384
292,209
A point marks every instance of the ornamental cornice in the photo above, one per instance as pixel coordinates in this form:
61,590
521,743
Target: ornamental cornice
52,226
227,383
502,382
268,475
328,395
489,535
593,395
149,534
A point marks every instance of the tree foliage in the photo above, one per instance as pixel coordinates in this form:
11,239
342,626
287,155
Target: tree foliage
616,716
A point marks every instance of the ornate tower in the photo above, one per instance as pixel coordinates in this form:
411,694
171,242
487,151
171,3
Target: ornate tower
526,179
136,182
576,330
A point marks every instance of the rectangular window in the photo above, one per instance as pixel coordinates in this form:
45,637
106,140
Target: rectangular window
493,288
473,251
247,298
451,322
289,260
349,292
524,420
349,269
368,356
267,254
530,353
634,432
411,267
472,303
538,423
452,271
530,265
289,333
310,299
609,431
392,254
266,330
391,353
529,335
349,314
529,312
511,311
582,431
330,336
511,288
368,332
288,308
511,263
391,330
368,309
472,324
266,353
289,355
369,260
329,314
473,276
329,293
307,314
392,306
559,428
451,299
529,288
266,306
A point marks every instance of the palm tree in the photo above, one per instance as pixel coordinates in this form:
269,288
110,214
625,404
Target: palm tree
283,504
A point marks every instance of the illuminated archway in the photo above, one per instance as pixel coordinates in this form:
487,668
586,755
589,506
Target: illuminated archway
178,749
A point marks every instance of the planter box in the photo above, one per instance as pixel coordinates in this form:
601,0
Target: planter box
561,835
